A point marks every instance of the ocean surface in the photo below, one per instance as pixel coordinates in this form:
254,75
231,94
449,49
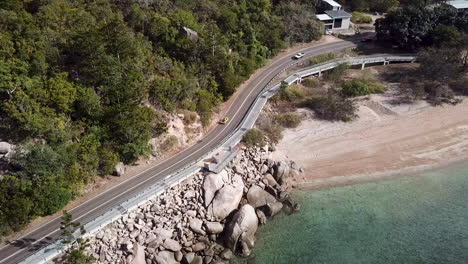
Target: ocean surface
417,219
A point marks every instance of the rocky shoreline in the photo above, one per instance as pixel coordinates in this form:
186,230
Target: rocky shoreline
208,218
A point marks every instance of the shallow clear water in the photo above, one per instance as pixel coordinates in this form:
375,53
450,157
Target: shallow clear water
421,219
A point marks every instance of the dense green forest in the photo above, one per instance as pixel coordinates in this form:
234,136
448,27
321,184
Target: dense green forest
386,5
85,84
413,28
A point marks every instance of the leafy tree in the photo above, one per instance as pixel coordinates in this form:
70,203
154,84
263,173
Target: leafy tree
412,28
445,35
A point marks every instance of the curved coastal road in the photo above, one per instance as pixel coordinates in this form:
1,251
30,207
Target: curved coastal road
28,244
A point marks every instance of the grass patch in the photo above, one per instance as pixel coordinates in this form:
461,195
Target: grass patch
355,88
322,58
360,18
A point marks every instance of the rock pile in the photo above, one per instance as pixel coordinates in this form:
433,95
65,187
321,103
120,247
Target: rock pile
207,219
6,149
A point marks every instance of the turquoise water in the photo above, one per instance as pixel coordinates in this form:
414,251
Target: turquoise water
421,219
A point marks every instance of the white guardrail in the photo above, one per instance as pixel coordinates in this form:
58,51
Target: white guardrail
50,251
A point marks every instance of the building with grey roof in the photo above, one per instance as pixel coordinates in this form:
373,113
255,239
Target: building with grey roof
460,5
334,16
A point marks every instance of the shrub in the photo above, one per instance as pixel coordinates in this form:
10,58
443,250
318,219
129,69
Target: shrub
274,132
271,129
360,18
310,82
360,87
189,117
460,87
336,73
292,93
107,161
289,120
322,58
254,137
168,144
332,107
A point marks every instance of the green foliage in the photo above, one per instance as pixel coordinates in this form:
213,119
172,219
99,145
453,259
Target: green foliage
289,120
372,5
68,227
440,76
130,129
360,18
254,137
300,24
443,64
445,36
336,73
205,106
412,28
355,88
322,58
78,256
85,81
332,107
107,161
291,93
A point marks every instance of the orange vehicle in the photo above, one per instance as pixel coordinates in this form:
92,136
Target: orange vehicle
224,120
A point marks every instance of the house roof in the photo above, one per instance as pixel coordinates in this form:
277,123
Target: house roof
332,3
458,4
337,14
323,17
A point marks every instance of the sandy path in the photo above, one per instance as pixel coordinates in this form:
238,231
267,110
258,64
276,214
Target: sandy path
378,142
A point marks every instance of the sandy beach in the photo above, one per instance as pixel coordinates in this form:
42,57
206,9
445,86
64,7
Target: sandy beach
384,141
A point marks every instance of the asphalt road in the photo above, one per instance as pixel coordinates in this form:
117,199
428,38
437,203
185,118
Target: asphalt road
28,244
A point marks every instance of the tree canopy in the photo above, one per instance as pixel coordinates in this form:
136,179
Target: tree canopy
84,84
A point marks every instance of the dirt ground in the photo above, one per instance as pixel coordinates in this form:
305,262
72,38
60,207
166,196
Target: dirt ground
384,140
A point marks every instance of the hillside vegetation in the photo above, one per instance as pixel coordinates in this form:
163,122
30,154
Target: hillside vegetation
85,84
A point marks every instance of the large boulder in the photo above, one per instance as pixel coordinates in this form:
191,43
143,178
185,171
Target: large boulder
270,180
214,227
274,208
196,225
258,197
212,183
172,245
165,257
242,228
119,169
139,253
227,199
281,171
5,147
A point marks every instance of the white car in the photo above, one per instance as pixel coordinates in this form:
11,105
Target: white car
299,55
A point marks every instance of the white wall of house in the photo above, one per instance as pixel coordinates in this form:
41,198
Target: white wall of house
345,23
